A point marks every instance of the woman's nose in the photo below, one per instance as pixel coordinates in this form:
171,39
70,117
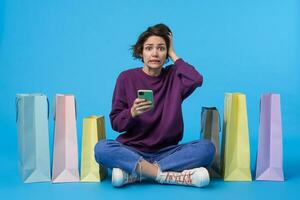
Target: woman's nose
154,52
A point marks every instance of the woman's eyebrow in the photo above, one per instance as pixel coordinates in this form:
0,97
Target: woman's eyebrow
160,44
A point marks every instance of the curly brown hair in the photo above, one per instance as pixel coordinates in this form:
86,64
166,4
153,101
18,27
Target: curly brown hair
160,30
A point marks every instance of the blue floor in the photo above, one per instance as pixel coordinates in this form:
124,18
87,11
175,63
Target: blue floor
11,186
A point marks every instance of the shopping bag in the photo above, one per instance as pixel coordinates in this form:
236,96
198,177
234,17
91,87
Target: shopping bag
235,139
65,148
269,155
93,130
210,129
33,137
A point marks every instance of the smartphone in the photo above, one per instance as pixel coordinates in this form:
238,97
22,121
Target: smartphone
146,94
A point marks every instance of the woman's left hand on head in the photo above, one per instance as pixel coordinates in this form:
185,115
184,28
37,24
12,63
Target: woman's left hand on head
171,51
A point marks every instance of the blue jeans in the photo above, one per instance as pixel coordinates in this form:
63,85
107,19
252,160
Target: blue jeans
198,153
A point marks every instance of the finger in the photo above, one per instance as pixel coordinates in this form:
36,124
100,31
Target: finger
144,103
142,111
144,107
137,100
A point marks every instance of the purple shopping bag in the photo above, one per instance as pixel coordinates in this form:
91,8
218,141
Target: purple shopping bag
269,155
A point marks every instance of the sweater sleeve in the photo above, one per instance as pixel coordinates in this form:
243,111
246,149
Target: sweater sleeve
120,116
190,79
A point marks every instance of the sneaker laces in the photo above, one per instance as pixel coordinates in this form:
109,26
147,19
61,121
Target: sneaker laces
129,178
184,177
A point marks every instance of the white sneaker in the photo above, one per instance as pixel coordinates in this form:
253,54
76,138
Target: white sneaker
120,177
198,177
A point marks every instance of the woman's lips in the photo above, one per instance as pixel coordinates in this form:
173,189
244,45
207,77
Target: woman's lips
154,61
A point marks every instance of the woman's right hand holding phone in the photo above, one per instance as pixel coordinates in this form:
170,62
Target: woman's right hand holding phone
140,106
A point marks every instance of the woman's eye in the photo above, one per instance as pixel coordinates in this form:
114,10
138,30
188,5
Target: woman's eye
161,48
148,48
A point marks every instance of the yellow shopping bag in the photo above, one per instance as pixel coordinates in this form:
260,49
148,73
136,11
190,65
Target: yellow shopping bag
235,139
93,131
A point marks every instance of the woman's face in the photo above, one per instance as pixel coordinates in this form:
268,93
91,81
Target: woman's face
154,52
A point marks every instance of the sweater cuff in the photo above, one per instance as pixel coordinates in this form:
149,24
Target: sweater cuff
179,61
130,120
182,67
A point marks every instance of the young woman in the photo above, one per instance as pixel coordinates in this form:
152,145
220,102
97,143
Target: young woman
148,146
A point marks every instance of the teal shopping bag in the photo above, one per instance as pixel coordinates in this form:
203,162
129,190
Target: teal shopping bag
33,137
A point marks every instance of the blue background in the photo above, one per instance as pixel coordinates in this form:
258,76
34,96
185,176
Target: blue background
80,47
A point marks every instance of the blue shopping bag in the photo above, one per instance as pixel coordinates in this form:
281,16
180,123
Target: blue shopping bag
33,137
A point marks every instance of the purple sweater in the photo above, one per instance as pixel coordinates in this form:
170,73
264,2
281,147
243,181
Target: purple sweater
163,125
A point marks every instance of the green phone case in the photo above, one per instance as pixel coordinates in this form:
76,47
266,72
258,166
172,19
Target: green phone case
146,94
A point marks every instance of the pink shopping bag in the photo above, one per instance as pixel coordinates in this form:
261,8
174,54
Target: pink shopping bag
65,149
